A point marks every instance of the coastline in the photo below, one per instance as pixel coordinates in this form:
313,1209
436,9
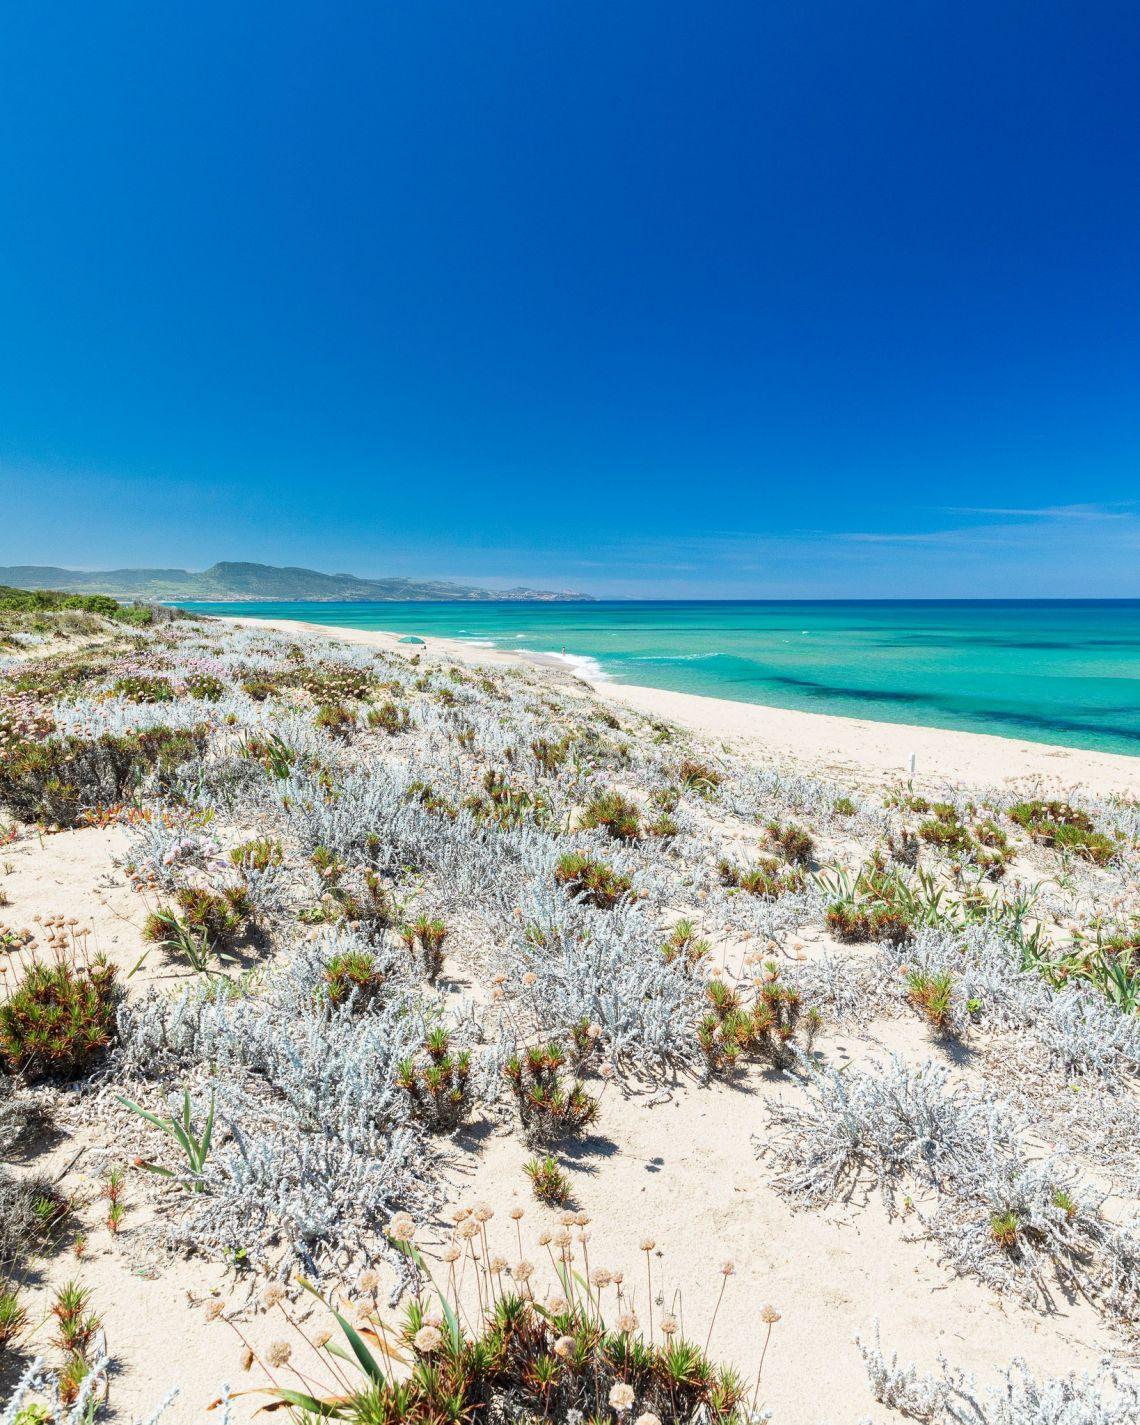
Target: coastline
822,743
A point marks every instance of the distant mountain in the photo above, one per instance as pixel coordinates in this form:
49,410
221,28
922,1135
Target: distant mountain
255,582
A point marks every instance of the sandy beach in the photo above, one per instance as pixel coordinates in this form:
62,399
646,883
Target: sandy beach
850,748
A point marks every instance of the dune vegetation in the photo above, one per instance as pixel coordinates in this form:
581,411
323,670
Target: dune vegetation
345,991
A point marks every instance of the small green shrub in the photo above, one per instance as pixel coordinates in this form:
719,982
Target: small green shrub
593,880
59,1019
697,776
877,905
766,879
13,1317
352,975
933,995
549,754
56,780
258,854
684,943
336,719
947,833
32,1215
220,919
506,804
438,1083
428,934
547,1110
547,1180
793,841
767,1028
614,814
389,718
1004,1227
428,797
260,687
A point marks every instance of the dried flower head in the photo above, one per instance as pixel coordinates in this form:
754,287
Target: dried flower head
621,1397
647,1244
517,1212
214,1309
273,1294
402,1227
427,1339
558,1306
628,1322
600,1277
369,1280
522,1271
278,1354
669,1325
727,1269
451,1254
483,1213
545,1239
564,1347
769,1315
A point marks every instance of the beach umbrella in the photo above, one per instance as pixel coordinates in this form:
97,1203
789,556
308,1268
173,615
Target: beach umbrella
410,638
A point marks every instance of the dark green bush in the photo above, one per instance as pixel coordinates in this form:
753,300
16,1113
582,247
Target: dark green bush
1057,824
205,687
55,781
142,688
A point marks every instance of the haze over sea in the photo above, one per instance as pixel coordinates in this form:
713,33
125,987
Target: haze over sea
1065,672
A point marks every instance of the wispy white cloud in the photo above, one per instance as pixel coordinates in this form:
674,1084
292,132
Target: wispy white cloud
1118,510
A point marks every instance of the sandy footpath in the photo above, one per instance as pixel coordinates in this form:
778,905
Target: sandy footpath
851,748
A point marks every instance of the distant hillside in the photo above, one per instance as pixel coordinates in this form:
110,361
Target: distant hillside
254,582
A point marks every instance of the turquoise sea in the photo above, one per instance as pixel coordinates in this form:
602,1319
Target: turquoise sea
1055,671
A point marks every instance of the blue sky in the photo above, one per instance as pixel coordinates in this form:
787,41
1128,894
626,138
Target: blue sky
668,299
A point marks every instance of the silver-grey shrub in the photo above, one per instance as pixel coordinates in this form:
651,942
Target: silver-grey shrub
308,1092
1105,1396
901,1125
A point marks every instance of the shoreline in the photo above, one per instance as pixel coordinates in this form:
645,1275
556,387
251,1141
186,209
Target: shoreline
824,743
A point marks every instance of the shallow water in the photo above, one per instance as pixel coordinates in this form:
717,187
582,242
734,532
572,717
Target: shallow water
1065,672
